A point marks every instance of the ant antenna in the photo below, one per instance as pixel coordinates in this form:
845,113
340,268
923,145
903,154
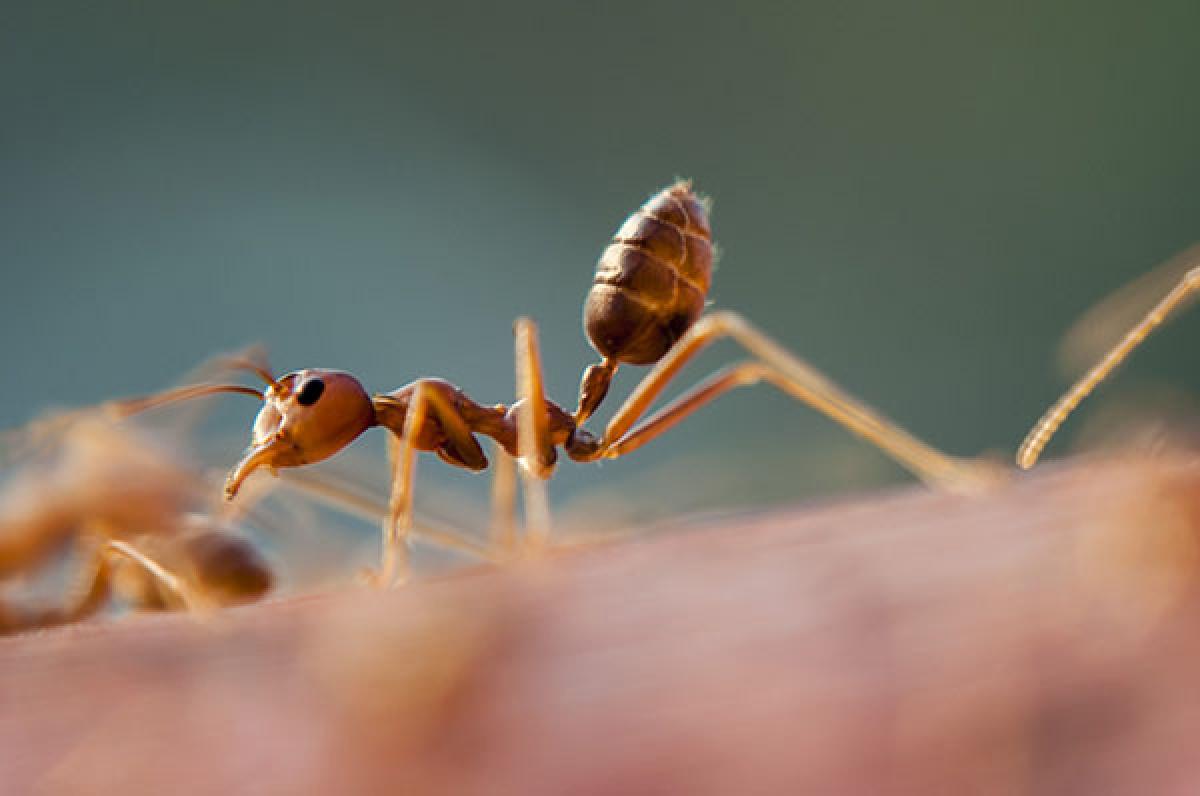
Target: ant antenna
254,360
131,406
1041,433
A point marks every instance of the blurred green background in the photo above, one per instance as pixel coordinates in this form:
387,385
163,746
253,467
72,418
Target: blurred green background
917,197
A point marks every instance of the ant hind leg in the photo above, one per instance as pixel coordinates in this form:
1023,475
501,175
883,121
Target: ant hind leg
777,365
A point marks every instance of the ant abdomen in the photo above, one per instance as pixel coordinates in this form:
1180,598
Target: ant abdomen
652,280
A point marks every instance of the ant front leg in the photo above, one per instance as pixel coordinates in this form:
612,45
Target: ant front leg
534,449
774,364
426,410
402,454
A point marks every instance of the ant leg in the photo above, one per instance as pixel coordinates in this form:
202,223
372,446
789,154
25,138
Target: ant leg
743,374
1031,448
459,448
534,451
402,452
91,591
402,449
798,379
192,600
359,503
502,531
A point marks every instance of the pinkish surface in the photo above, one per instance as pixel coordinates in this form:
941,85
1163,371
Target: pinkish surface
1042,639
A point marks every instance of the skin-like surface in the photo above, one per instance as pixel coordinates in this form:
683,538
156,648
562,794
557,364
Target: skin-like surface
1036,639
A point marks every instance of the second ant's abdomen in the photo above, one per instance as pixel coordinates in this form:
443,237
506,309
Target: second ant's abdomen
652,280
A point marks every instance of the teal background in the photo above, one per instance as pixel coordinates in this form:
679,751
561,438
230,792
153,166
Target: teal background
917,197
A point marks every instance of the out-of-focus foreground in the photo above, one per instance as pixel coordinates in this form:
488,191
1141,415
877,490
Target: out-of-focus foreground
1040,639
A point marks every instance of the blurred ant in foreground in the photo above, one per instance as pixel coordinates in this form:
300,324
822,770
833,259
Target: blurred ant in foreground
645,307
1116,306
123,507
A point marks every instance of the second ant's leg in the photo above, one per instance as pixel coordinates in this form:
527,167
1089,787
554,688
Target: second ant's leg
536,454
795,377
88,595
191,599
1041,433
92,590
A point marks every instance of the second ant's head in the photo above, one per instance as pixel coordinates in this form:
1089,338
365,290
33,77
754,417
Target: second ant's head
307,416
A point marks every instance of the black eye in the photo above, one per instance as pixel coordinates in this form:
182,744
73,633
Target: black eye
310,392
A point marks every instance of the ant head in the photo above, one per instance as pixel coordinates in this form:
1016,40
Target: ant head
307,416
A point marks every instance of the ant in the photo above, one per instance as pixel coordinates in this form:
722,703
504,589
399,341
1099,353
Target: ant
645,307
123,505
1039,436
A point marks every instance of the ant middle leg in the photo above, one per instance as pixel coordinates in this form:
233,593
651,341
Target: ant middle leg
534,450
777,365
502,531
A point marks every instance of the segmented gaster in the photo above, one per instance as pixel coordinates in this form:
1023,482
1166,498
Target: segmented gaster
652,280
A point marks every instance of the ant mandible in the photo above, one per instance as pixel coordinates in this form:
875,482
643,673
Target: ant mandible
645,307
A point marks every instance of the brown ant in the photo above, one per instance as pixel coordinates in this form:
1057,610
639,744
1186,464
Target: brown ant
645,307
1038,437
123,505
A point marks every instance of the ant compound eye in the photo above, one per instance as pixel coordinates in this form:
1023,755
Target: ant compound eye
310,392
